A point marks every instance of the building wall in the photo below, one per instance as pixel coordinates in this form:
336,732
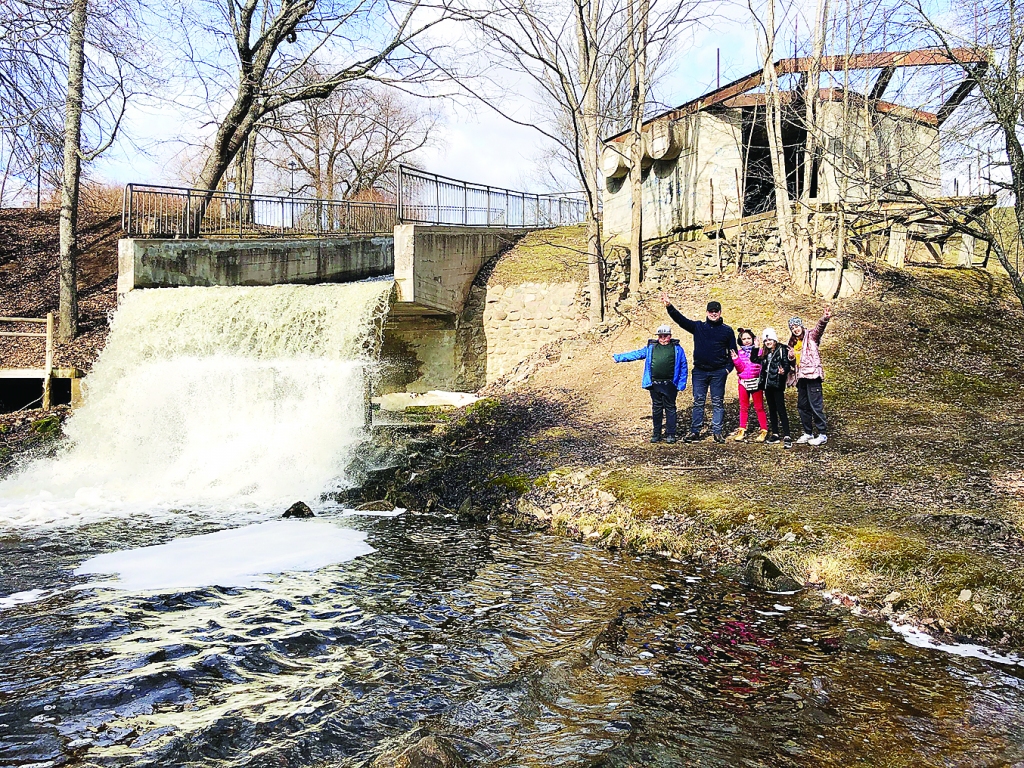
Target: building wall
677,194
864,154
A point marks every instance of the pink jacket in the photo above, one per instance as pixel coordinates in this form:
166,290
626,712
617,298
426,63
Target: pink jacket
744,368
810,358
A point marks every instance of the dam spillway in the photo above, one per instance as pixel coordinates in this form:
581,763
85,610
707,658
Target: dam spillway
220,397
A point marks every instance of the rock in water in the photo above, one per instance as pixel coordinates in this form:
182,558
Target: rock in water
299,509
428,752
761,573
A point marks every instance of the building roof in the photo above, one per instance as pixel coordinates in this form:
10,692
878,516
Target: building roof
736,93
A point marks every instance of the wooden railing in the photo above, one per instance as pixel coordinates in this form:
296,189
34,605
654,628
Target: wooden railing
47,369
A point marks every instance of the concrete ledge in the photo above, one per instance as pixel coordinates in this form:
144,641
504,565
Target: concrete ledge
172,263
435,266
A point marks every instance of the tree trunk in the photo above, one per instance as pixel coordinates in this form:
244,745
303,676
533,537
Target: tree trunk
810,246
773,120
587,21
638,97
68,313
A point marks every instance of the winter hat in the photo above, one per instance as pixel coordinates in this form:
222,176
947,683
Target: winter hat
769,333
795,321
714,306
663,330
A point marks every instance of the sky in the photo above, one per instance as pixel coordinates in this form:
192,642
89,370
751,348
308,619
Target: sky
473,142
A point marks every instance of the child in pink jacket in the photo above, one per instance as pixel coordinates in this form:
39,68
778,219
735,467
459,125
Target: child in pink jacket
749,375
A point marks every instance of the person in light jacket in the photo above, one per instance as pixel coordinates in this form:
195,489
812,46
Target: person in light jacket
808,376
665,372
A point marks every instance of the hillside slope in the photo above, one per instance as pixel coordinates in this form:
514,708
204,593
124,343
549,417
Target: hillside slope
919,491
29,247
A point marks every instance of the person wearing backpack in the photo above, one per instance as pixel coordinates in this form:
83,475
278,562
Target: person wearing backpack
776,361
749,387
665,371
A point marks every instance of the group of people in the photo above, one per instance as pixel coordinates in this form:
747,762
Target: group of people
764,367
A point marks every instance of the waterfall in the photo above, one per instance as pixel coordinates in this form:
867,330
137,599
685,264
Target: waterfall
212,399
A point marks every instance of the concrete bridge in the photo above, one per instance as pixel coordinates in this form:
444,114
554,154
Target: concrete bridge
434,240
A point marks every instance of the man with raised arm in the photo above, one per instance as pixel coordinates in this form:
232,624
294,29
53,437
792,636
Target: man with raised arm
713,345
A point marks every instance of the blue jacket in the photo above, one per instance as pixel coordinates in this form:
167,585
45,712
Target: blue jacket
644,353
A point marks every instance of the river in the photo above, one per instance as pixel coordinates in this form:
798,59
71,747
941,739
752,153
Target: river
526,649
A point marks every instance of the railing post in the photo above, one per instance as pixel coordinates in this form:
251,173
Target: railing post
401,195
488,207
48,365
126,209
437,196
465,203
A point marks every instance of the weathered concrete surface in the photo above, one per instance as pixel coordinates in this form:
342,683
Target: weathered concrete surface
700,185
435,266
171,263
499,327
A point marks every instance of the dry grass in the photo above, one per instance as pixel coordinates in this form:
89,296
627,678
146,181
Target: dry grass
544,256
923,392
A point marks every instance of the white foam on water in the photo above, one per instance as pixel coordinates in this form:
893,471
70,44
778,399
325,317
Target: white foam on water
20,598
237,557
221,399
399,401
922,639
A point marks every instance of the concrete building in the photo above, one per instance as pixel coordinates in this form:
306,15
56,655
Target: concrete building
708,161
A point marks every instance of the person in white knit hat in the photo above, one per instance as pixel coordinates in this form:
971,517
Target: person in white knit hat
775,360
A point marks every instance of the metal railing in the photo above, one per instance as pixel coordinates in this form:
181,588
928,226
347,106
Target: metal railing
179,212
426,198
423,198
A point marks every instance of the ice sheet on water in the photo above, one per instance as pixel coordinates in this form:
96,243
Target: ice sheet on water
921,639
237,557
18,598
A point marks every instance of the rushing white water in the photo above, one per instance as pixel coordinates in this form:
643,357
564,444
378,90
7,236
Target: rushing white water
211,398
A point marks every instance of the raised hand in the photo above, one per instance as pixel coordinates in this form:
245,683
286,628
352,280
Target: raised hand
827,314
665,299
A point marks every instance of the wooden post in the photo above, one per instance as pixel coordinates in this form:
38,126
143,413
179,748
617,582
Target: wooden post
48,365
739,213
966,251
897,253
711,185
840,249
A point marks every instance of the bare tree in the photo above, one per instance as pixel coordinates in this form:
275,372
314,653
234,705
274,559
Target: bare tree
67,327
637,27
993,97
562,48
773,122
351,143
73,61
271,42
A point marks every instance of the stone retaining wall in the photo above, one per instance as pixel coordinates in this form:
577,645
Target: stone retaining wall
503,325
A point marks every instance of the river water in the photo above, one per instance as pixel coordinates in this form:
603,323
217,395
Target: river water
526,649
154,609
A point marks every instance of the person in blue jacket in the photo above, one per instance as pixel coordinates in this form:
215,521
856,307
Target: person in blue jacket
665,372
